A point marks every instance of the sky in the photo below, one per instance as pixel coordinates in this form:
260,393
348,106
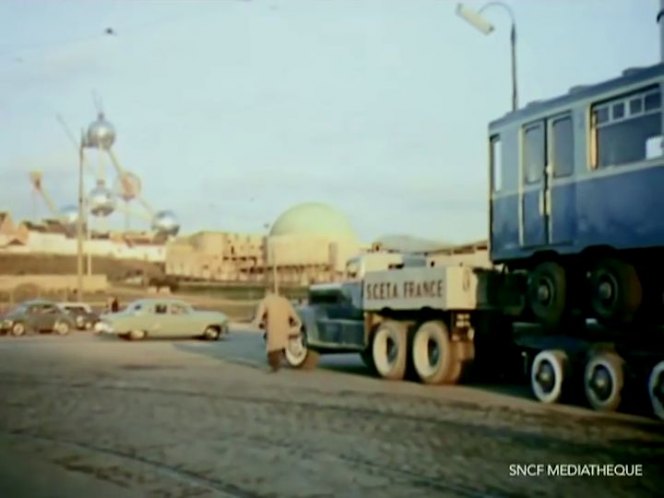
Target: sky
233,111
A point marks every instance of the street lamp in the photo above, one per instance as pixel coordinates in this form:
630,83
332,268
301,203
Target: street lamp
475,19
79,223
270,260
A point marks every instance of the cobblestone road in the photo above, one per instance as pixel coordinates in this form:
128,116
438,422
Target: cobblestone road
85,416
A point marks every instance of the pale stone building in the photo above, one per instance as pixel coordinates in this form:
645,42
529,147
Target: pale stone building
222,256
308,243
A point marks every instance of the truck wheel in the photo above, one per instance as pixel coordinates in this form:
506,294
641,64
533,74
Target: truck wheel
615,291
547,293
18,329
389,350
434,355
656,390
603,381
548,375
298,354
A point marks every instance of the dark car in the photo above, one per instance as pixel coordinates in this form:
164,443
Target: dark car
37,316
84,317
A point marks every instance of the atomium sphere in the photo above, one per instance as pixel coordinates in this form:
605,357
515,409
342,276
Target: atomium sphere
102,202
69,215
166,223
128,186
101,133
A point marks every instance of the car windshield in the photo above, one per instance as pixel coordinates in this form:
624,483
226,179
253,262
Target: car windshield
78,309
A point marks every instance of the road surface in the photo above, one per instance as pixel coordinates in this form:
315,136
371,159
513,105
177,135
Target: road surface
85,416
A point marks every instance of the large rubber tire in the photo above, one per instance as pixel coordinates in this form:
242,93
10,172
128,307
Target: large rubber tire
389,350
603,381
18,329
549,374
434,355
299,355
656,390
615,292
547,293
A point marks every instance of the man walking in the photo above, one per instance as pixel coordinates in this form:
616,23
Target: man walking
280,320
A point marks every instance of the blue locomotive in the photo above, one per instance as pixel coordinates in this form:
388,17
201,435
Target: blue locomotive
577,200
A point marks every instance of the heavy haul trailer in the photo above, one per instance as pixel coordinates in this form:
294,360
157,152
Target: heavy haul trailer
576,228
438,324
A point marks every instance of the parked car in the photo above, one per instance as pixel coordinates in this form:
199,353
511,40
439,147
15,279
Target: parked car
163,318
84,317
37,316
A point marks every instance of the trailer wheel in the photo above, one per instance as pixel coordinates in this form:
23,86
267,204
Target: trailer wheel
615,291
603,381
548,374
656,390
547,293
389,350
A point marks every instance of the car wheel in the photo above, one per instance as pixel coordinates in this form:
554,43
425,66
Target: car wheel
211,334
80,323
61,328
18,329
136,335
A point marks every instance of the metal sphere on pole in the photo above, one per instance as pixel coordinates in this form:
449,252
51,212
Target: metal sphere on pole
475,19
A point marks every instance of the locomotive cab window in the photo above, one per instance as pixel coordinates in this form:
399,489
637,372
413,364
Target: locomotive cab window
626,134
496,164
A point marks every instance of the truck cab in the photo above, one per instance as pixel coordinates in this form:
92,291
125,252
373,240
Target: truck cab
333,317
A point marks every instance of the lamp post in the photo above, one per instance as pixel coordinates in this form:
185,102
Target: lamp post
660,21
79,223
475,19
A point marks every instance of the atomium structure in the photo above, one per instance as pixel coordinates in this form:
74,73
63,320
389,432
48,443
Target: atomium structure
123,193
101,135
